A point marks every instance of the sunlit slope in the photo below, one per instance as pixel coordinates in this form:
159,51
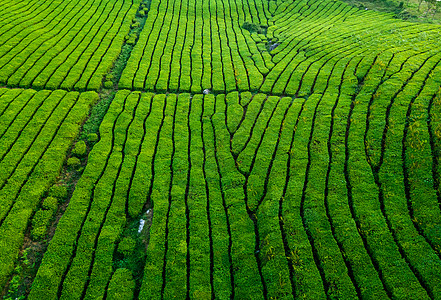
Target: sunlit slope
36,131
258,196
326,37
309,170
61,44
192,46
196,45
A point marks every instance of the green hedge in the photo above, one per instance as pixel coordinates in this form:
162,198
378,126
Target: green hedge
44,160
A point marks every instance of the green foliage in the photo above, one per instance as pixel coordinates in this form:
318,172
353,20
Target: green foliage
64,54
309,170
73,162
43,218
108,84
126,246
97,113
79,149
121,285
50,203
197,56
58,191
92,137
38,159
251,27
48,278
234,111
205,222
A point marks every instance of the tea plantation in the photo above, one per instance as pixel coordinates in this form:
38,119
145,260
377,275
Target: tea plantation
218,149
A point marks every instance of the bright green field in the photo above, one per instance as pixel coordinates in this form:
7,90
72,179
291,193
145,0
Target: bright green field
270,149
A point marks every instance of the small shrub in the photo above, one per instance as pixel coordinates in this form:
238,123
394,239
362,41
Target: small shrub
126,246
73,162
108,84
50,203
92,137
131,40
58,191
251,27
80,148
41,218
40,222
38,233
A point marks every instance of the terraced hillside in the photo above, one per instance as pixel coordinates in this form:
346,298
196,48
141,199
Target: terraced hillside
37,129
61,44
250,150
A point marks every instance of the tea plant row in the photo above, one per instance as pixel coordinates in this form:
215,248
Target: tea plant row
62,44
36,131
245,186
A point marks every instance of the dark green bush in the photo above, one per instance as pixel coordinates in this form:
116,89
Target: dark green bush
251,27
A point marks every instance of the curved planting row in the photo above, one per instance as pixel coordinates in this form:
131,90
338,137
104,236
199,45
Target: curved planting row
310,35
275,47
36,131
62,44
197,45
309,169
255,196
